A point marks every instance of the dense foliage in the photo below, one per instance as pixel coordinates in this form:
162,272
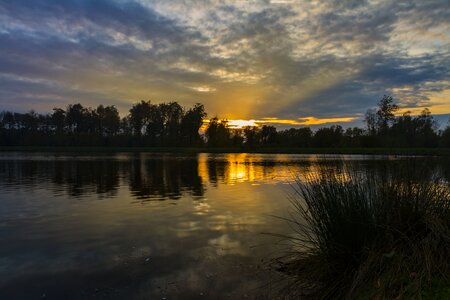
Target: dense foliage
171,125
147,124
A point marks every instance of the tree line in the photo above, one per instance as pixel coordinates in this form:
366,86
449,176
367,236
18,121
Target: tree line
147,124
171,125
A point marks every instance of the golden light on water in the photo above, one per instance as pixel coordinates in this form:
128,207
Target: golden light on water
258,169
242,167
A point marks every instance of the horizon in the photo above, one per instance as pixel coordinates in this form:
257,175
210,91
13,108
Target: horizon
441,121
281,63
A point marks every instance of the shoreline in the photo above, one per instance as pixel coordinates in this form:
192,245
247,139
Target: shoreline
361,151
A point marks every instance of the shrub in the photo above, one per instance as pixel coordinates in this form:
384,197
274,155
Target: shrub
376,233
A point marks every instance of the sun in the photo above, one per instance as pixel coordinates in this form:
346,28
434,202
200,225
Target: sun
241,123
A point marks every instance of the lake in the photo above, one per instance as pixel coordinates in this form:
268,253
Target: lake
151,226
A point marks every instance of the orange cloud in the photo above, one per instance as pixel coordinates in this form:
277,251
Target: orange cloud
275,121
305,121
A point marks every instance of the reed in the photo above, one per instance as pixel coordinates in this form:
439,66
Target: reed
380,233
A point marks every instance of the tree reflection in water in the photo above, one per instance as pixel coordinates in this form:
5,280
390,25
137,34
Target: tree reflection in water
194,216
160,177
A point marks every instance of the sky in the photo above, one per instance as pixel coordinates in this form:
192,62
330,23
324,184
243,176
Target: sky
280,62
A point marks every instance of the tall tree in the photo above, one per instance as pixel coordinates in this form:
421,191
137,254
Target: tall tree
172,114
140,116
30,121
426,129
58,119
268,135
107,120
191,123
370,118
328,136
385,114
218,133
8,121
445,136
251,136
76,118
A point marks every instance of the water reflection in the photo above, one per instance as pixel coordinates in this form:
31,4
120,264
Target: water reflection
159,177
58,239
163,177
75,177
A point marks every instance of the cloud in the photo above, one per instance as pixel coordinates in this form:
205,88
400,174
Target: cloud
306,121
326,60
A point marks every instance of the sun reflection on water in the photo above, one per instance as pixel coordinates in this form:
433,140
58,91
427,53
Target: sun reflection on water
257,168
175,218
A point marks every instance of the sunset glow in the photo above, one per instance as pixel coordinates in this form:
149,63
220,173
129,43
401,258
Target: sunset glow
283,62
307,121
242,123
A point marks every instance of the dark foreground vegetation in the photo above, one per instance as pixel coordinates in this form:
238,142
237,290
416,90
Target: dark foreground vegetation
373,234
170,125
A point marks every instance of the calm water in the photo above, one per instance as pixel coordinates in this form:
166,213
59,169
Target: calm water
147,226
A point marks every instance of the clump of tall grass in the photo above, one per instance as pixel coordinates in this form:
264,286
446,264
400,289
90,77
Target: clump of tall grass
370,234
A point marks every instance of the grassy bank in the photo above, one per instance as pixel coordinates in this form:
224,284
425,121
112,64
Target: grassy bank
376,234
281,150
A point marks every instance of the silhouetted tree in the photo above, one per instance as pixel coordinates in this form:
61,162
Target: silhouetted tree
237,137
140,117
408,131
426,129
107,120
77,118
168,124
268,135
30,121
18,119
218,133
353,137
125,126
172,114
8,121
251,136
44,123
385,114
371,121
445,137
300,137
191,123
155,126
58,119
328,136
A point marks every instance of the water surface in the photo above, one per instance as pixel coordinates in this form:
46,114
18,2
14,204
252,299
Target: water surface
148,226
